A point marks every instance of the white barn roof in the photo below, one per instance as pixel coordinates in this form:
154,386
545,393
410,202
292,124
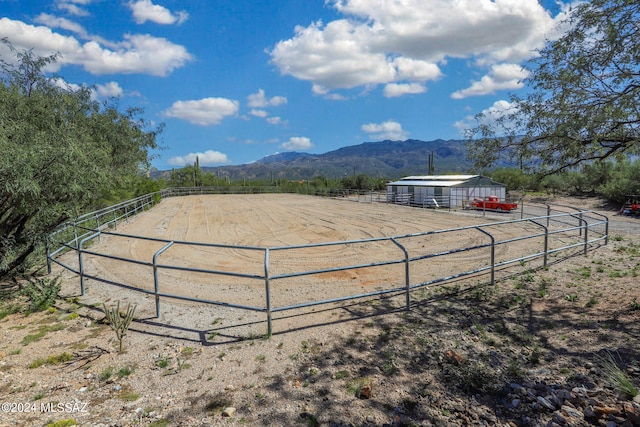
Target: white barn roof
424,183
437,180
439,177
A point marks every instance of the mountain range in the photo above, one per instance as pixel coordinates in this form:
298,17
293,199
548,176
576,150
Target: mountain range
387,159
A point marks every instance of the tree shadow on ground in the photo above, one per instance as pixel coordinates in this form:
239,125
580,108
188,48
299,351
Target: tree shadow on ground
453,359
457,355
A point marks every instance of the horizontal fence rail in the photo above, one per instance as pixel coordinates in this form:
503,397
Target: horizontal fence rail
396,264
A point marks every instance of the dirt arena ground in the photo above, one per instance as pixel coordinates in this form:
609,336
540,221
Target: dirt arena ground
253,222
209,365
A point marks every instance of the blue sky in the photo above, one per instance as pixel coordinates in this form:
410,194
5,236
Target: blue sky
236,80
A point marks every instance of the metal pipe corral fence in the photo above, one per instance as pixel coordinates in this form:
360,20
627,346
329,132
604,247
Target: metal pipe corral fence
548,233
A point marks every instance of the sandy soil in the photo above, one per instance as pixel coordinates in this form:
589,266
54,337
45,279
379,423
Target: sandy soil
254,222
187,366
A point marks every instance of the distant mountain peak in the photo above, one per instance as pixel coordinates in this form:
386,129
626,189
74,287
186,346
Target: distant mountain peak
388,159
283,157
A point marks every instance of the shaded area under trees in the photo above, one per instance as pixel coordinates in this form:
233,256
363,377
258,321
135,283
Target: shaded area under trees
62,153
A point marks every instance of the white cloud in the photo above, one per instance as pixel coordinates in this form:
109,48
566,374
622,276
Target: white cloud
297,143
137,53
72,8
415,70
63,84
145,10
64,23
209,157
110,89
258,113
386,130
393,90
334,56
489,116
203,112
497,110
406,41
52,22
500,77
259,100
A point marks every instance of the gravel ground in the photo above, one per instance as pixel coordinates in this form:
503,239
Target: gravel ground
531,350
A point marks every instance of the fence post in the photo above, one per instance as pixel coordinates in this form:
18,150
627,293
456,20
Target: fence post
585,230
493,254
81,268
267,285
407,282
156,282
546,246
546,242
81,263
586,234
97,218
46,246
548,215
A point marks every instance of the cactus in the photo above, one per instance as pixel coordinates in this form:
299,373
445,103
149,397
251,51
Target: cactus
119,322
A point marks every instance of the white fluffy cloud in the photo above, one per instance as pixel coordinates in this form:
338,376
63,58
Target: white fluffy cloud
393,90
386,130
137,53
203,112
73,7
111,89
145,10
258,113
489,116
406,41
58,22
62,84
500,77
209,157
259,100
297,143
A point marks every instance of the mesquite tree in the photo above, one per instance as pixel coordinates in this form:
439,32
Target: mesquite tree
59,150
584,103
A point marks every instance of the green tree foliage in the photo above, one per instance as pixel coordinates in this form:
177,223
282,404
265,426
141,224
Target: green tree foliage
145,185
576,183
584,99
60,152
363,182
613,180
513,178
184,177
597,173
624,180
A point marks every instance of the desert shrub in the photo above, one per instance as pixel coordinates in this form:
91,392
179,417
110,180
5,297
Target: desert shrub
118,321
41,293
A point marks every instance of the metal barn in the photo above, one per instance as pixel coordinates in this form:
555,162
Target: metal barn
446,191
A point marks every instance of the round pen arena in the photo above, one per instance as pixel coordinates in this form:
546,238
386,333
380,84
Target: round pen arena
244,226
